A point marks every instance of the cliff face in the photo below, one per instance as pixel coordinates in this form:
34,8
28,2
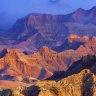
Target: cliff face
41,65
52,25
37,30
16,64
49,27
81,83
87,62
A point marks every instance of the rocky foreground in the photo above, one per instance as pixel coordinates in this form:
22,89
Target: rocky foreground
81,82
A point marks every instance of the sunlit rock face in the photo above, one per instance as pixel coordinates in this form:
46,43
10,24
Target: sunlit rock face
73,37
16,64
81,83
85,39
46,46
42,64
79,80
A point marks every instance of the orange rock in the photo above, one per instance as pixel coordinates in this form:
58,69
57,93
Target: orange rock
73,37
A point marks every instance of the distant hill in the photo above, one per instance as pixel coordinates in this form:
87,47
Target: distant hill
37,30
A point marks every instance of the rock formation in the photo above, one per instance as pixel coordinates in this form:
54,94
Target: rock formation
41,64
37,30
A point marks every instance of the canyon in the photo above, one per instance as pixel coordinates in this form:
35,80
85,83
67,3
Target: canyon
49,55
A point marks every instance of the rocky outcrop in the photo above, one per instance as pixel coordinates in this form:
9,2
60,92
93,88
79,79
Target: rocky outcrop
86,62
37,30
81,84
73,37
15,63
41,64
52,24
